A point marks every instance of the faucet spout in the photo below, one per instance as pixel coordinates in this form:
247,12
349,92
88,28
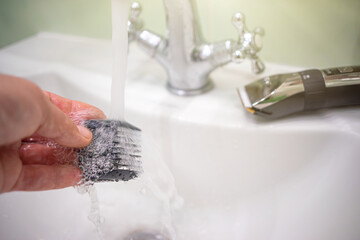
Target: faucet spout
187,57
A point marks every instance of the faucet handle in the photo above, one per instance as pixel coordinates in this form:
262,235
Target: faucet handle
134,23
248,44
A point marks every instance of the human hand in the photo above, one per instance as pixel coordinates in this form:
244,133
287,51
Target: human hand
30,119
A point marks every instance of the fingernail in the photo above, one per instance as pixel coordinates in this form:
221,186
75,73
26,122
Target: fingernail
86,133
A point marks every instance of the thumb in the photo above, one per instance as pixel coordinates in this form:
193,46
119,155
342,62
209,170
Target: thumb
58,127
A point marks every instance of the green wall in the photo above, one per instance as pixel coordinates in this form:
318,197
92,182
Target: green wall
312,33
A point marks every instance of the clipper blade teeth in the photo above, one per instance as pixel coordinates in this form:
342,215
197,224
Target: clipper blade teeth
114,153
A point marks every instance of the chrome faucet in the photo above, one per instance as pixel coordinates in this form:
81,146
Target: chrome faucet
186,56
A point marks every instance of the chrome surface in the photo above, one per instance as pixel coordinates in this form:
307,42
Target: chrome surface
344,79
269,90
186,56
282,94
134,24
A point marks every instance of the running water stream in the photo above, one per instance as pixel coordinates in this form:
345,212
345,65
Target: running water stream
120,13
157,181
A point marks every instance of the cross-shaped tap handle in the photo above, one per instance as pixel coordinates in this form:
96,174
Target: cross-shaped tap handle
134,24
248,44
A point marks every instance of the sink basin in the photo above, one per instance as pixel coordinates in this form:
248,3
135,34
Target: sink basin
240,177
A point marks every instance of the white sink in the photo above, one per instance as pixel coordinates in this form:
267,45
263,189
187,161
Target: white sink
241,177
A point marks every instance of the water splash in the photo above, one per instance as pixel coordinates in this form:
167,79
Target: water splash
158,181
94,214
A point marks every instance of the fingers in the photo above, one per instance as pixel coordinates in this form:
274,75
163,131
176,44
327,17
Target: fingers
60,128
16,176
35,138
77,111
36,153
20,108
43,177
57,126
24,109
10,167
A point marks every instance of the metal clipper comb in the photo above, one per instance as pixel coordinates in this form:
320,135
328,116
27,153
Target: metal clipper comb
114,153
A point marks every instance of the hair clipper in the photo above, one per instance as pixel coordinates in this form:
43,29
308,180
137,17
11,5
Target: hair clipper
284,94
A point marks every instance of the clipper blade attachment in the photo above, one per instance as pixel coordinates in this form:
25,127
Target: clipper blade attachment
114,153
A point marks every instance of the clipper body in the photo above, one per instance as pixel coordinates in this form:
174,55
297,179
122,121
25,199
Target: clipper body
284,94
